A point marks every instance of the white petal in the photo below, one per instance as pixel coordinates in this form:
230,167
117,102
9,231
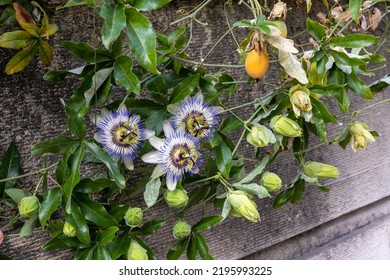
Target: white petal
171,182
151,157
218,109
167,127
156,142
122,107
129,164
104,112
98,138
173,108
157,171
95,118
149,133
199,97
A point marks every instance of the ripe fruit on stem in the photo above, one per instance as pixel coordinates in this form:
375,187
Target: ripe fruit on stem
256,64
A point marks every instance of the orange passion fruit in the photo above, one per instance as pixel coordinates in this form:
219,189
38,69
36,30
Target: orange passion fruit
256,64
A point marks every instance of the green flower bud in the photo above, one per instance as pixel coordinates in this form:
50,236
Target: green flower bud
271,181
133,217
320,170
360,136
242,203
258,137
181,229
300,99
285,126
69,230
136,252
28,206
177,198
233,212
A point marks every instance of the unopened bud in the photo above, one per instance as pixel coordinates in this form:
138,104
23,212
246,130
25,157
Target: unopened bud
315,169
181,230
133,217
69,230
360,136
28,206
177,198
285,126
271,181
136,252
242,203
300,99
258,137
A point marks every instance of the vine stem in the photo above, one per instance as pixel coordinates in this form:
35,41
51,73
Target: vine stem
193,14
356,113
28,174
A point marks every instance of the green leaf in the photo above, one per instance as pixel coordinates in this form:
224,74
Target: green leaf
354,7
62,242
358,86
74,163
316,30
380,84
101,253
224,159
184,88
75,123
45,52
320,107
88,185
148,5
58,145
343,58
142,39
155,120
114,21
104,157
253,188
16,39
207,223
283,198
98,80
319,124
243,23
202,247
49,205
117,47
158,88
177,249
7,16
353,41
20,60
119,246
85,254
28,226
151,226
124,76
191,248
16,194
62,170
9,167
327,90
256,171
152,191
230,124
106,236
95,212
86,52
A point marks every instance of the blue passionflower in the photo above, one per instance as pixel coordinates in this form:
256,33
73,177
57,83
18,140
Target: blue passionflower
176,155
195,117
121,134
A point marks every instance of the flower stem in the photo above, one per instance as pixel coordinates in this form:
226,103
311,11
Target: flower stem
194,13
29,174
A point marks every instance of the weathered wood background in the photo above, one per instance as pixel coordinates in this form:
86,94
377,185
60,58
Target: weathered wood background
352,221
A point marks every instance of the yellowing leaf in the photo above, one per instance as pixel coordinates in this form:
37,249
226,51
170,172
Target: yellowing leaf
20,60
16,40
26,20
283,44
292,66
45,52
49,30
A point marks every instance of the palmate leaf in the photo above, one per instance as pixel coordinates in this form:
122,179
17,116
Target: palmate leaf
114,21
142,39
21,60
